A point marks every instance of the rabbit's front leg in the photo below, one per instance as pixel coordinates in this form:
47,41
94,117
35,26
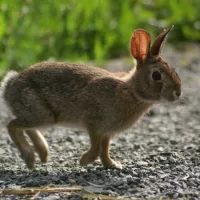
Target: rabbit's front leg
93,153
105,157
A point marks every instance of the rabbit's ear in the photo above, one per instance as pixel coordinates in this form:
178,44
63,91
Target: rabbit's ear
140,45
158,43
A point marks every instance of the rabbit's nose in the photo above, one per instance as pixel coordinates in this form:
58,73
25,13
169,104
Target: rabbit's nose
176,94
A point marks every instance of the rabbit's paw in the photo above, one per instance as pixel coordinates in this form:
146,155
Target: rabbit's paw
43,153
29,157
88,157
111,164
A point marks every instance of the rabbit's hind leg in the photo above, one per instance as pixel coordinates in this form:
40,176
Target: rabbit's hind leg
31,110
105,157
40,143
94,151
16,132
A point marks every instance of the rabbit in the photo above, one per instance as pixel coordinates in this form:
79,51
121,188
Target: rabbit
91,98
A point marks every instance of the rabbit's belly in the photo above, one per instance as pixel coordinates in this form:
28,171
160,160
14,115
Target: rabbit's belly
125,120
105,120
71,124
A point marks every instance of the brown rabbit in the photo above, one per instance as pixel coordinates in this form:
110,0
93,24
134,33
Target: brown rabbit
99,101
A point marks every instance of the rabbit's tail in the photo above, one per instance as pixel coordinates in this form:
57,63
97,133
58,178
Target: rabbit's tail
5,110
8,77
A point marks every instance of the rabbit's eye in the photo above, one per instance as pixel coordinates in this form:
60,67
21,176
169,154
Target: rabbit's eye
156,76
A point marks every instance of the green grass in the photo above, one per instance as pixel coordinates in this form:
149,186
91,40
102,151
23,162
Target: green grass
74,30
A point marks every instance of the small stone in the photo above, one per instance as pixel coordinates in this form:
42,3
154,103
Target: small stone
109,192
69,139
72,181
118,183
136,146
153,155
152,113
163,175
161,158
142,163
174,182
123,139
128,176
133,190
173,142
160,149
172,160
190,147
151,128
15,187
2,151
152,178
52,197
166,154
133,181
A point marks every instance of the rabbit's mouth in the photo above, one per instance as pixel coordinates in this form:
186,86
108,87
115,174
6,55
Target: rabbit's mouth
174,96
171,93
144,99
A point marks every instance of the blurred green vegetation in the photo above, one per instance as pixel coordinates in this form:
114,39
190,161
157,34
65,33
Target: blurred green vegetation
78,30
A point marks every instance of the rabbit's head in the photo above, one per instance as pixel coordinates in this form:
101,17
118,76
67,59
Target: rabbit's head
154,79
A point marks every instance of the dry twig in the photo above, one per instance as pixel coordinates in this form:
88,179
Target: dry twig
35,190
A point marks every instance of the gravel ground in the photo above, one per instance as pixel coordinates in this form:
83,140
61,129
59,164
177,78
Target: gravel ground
160,155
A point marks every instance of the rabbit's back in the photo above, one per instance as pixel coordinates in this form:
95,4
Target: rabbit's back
56,91
74,94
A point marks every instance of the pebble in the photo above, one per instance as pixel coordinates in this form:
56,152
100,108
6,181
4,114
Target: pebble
160,149
161,158
142,163
133,190
52,197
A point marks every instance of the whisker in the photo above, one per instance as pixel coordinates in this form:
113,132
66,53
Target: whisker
184,101
189,88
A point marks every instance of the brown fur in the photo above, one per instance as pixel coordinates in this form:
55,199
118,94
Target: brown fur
101,102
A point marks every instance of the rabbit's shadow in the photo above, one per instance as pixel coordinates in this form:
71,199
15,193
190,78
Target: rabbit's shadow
82,176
